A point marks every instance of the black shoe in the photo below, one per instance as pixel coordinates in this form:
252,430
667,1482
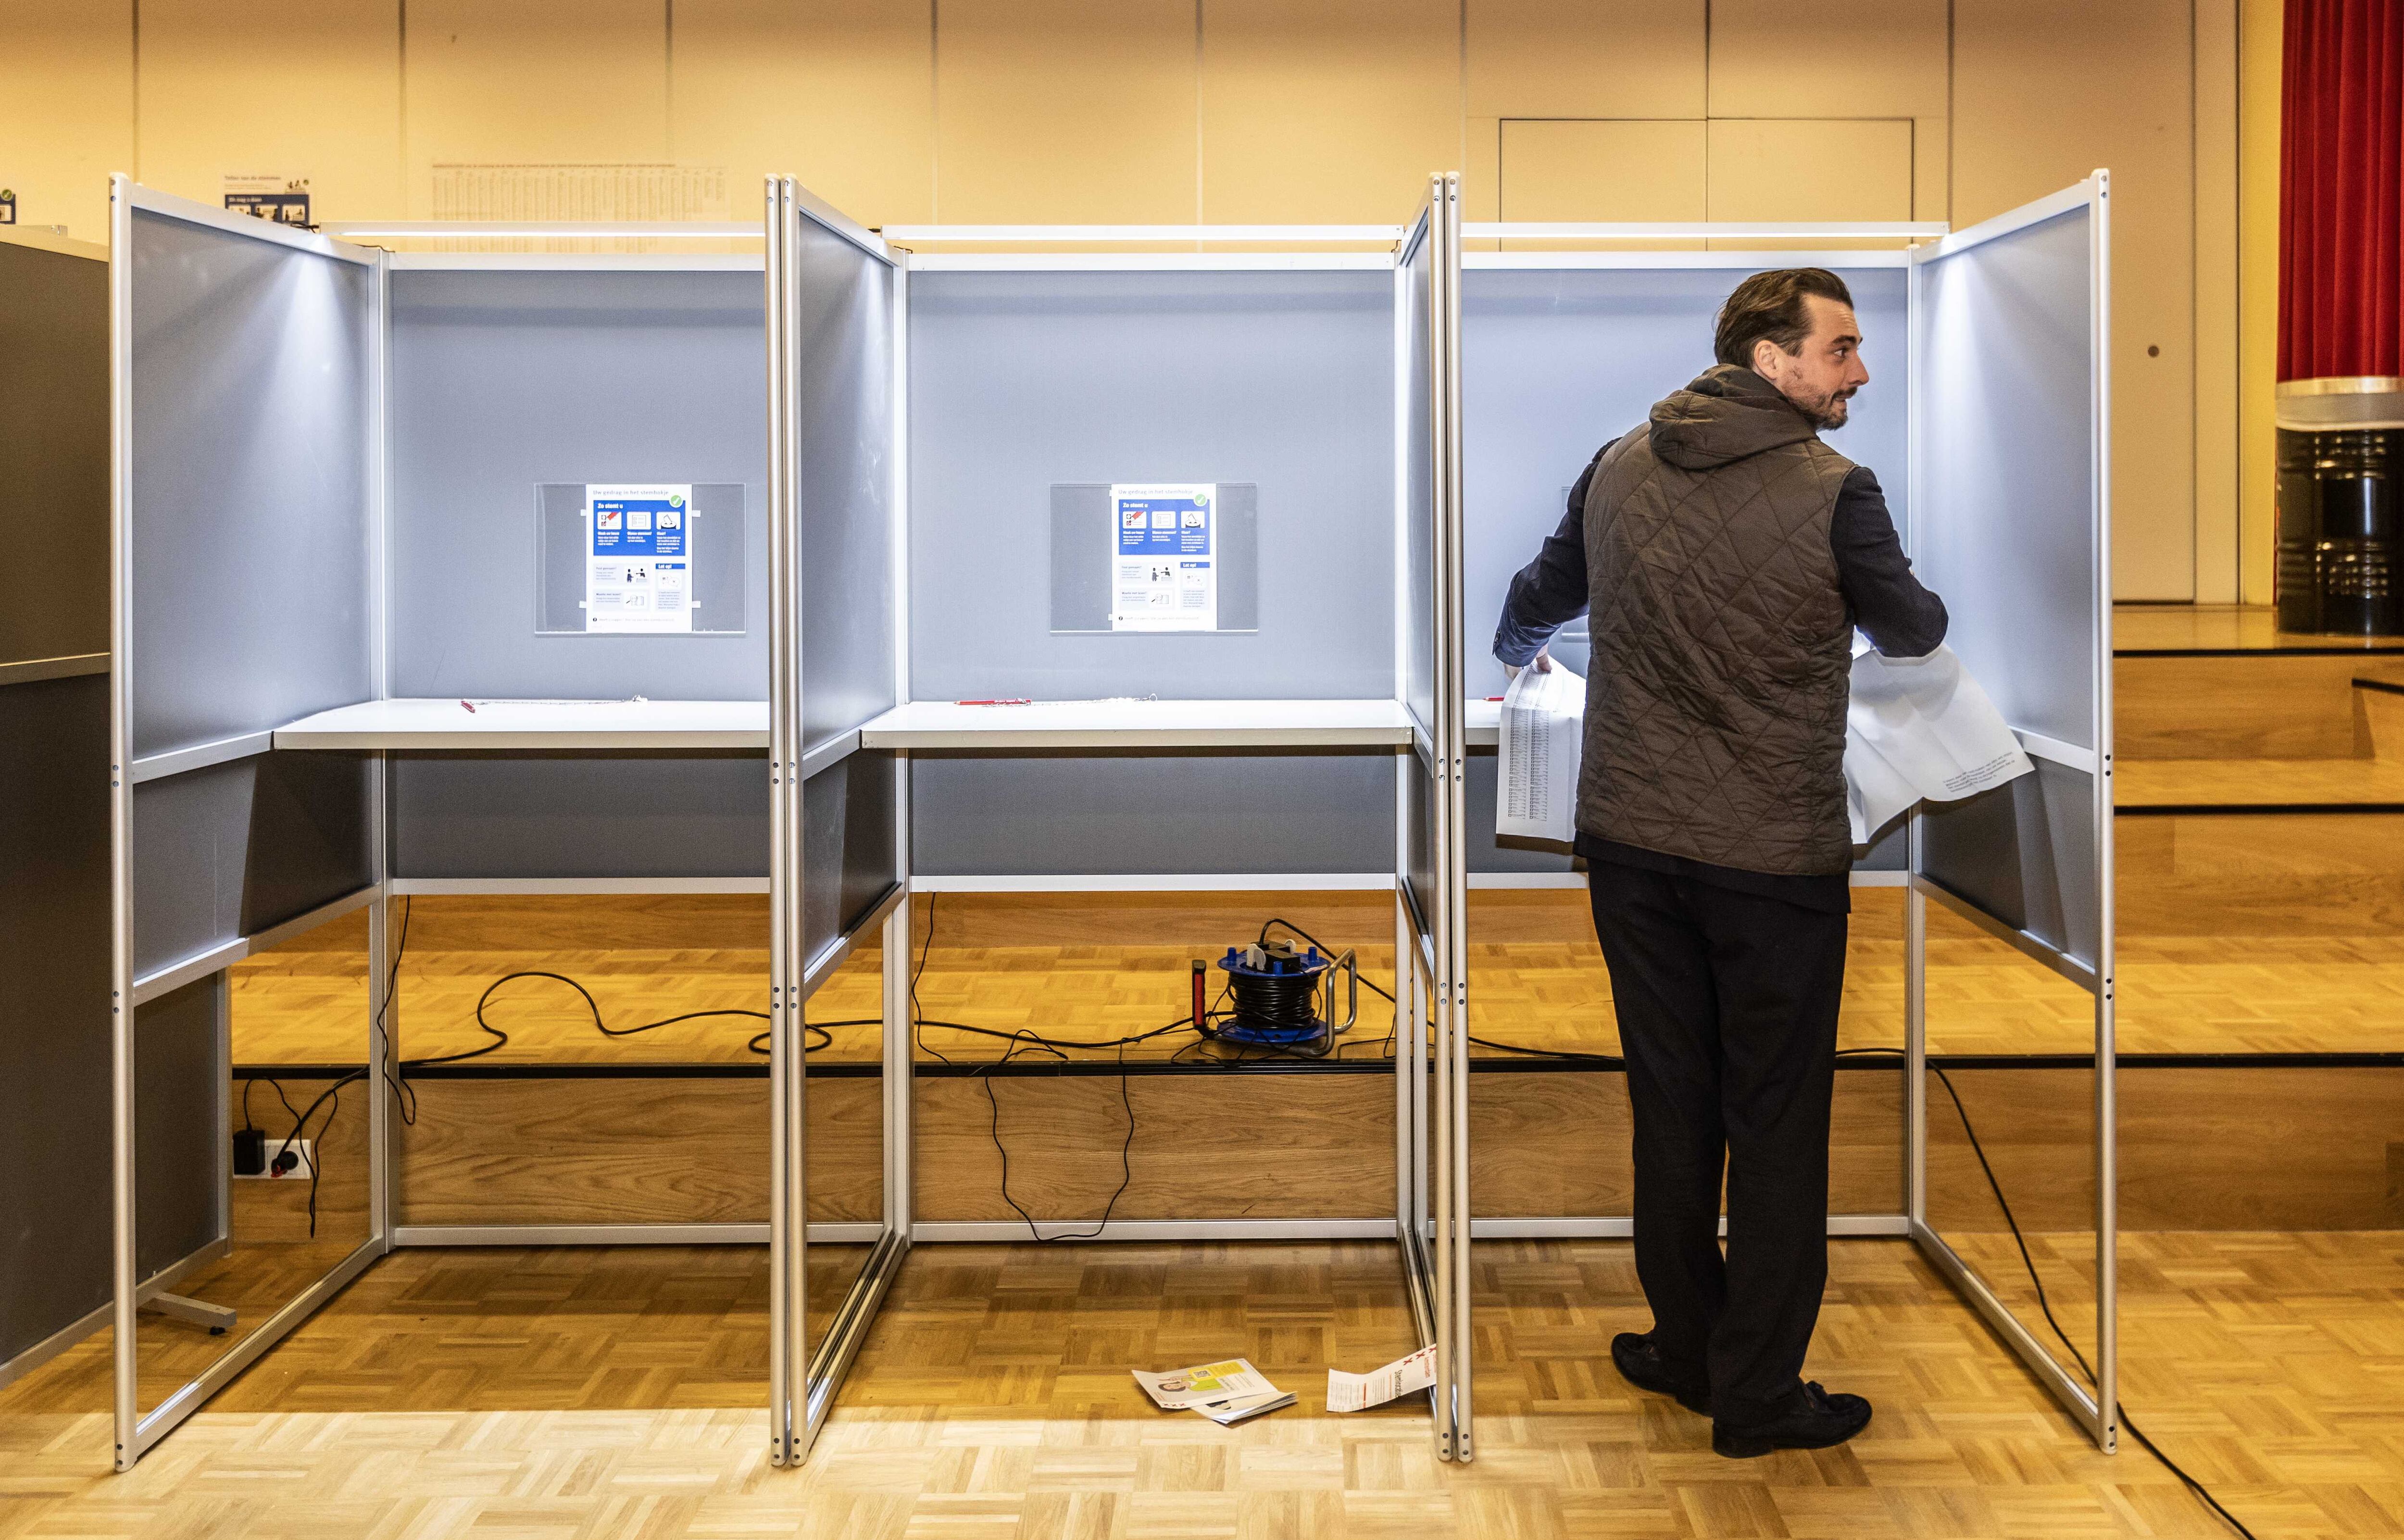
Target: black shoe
1639,1361
1813,1420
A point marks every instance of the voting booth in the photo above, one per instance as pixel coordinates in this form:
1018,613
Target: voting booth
1175,612
54,1038
1986,420
457,573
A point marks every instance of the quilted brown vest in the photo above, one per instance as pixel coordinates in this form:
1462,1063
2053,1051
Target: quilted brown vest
1716,709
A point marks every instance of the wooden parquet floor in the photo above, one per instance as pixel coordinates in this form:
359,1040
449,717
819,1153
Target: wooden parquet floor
992,1400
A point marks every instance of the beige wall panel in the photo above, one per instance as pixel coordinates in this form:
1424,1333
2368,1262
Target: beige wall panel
511,81
1586,58
1335,111
294,88
1796,169
2259,45
1609,171
1834,59
1074,111
2215,302
2044,91
837,93
66,112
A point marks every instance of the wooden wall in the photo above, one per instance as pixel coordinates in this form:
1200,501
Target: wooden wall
1255,110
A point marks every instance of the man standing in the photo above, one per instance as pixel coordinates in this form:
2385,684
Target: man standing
1727,555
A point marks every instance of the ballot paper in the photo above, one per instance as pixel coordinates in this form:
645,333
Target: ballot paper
1350,1392
1204,1385
1235,1408
1920,728
1544,725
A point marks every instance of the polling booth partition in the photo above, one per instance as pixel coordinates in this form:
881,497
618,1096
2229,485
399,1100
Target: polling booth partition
444,575
1986,420
1177,613
54,1237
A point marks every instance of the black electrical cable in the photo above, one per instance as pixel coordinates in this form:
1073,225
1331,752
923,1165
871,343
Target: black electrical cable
2044,1303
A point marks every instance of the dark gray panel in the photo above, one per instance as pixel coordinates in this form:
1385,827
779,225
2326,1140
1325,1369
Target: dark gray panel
179,1090
977,815
716,534
249,475
2006,439
1081,564
1556,364
1419,863
235,848
1022,381
55,1032
586,815
849,856
843,440
2025,853
502,381
1484,851
54,444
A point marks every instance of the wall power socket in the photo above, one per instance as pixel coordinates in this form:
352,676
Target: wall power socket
305,1150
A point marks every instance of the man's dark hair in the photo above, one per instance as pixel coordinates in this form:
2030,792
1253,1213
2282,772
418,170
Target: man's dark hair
1771,304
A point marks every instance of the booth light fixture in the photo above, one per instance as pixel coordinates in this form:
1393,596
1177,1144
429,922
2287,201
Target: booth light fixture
1068,235
537,230
1702,230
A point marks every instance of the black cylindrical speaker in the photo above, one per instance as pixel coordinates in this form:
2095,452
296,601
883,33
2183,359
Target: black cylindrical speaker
2341,566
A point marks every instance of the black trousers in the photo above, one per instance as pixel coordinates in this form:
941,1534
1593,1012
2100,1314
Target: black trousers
1728,1017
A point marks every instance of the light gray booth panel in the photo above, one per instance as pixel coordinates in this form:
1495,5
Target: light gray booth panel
54,435
249,475
844,443
1420,664
1072,814
2007,533
54,1027
1021,381
503,382
235,848
634,814
1557,363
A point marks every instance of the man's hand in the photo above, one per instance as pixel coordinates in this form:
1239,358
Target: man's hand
1541,663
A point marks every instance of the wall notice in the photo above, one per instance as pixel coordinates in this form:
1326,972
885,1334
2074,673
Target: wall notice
1164,556
282,199
639,557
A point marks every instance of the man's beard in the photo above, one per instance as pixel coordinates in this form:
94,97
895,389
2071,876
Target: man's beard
1828,410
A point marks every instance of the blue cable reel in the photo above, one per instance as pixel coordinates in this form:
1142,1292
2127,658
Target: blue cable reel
1284,998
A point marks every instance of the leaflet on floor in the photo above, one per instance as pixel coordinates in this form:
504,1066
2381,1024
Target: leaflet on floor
1190,1390
1921,728
1165,556
1544,729
639,557
1350,1392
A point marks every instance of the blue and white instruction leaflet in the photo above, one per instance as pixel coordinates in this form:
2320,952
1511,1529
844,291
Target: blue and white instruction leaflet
1165,556
639,557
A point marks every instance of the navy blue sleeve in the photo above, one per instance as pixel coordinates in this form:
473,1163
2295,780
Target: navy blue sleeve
1549,591
1901,618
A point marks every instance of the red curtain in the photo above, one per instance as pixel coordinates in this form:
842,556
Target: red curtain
2341,190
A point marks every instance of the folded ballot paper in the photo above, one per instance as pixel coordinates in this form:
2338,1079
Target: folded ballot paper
1920,728
1227,1391
1350,1392
1915,729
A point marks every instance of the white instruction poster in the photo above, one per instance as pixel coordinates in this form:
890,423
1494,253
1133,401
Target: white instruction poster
1543,732
639,557
1165,556
1920,728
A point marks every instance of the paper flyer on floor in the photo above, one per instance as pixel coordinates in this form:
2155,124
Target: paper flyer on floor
1349,1393
1185,1390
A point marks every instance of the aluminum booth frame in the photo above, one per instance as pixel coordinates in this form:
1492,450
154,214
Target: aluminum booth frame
974,336
2006,513
341,383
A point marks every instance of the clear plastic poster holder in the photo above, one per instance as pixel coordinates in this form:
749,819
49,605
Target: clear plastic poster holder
2007,371
2011,500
